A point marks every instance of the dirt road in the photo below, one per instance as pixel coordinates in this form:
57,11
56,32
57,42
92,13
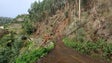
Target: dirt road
63,54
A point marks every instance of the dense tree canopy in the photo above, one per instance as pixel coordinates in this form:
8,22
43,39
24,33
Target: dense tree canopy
39,10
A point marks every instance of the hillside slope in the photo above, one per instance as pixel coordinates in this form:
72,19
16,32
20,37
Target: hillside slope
95,24
60,31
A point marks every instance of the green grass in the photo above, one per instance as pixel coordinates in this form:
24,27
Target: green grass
101,48
32,55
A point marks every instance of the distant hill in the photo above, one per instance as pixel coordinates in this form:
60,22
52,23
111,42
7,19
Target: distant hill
4,20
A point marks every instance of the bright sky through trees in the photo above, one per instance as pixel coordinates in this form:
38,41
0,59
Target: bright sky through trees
11,8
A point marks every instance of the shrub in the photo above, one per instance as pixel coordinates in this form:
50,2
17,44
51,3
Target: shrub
28,27
5,55
107,51
9,48
34,54
31,56
91,47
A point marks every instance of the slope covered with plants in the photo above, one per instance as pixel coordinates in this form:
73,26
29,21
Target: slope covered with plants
82,25
86,22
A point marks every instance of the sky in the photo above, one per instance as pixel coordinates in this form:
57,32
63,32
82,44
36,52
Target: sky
12,8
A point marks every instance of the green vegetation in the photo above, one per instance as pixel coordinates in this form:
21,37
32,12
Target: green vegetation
101,48
28,27
41,10
15,50
31,56
5,20
20,18
9,48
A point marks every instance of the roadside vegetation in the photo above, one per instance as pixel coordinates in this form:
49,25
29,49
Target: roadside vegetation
99,49
17,47
32,54
13,49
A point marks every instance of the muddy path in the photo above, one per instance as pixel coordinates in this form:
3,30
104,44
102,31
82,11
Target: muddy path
63,54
